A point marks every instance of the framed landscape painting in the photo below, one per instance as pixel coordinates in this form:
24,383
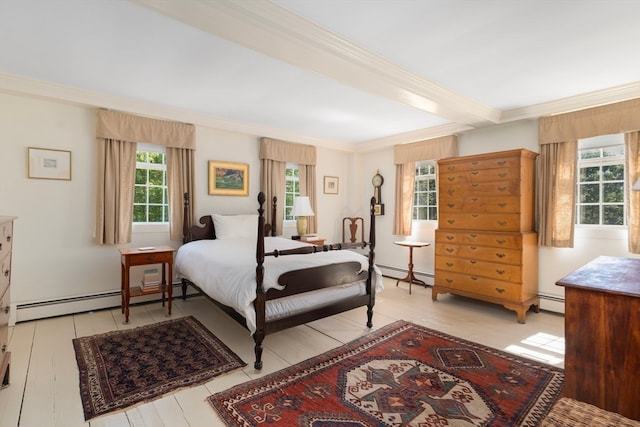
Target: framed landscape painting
228,179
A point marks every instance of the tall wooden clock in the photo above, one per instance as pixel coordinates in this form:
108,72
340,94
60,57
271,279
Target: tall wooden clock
377,182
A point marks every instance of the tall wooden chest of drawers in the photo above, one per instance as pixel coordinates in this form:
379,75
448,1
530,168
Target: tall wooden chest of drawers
6,244
486,245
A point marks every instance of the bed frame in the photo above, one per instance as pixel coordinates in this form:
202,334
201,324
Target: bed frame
295,282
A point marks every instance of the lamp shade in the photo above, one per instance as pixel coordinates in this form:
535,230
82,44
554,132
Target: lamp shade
636,186
301,207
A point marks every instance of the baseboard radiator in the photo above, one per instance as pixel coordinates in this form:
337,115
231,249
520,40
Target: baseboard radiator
79,304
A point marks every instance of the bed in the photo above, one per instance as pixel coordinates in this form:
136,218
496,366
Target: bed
269,283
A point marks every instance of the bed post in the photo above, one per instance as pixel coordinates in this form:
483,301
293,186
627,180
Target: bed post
274,205
259,303
186,223
372,256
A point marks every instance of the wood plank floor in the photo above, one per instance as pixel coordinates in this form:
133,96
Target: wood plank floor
44,387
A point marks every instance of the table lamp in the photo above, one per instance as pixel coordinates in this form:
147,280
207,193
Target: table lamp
301,209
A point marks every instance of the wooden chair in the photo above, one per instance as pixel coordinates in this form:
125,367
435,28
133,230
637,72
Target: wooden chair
352,223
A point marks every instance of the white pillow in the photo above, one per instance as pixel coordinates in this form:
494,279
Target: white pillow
233,226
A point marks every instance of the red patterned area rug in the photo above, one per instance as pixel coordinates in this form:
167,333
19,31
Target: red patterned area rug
401,375
122,368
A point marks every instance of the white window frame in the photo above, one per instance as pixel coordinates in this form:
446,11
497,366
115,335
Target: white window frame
151,227
600,143
295,179
425,177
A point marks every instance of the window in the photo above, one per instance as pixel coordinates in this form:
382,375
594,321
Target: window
292,189
425,200
600,187
150,202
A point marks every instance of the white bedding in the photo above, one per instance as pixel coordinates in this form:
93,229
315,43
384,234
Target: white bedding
226,269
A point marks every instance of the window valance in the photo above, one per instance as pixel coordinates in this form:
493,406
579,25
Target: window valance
127,127
621,117
283,151
430,149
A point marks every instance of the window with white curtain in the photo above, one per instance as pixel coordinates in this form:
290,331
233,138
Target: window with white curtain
425,200
150,200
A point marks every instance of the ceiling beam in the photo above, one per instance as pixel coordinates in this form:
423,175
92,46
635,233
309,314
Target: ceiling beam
264,27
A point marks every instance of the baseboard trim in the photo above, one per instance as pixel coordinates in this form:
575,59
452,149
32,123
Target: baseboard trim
79,304
397,273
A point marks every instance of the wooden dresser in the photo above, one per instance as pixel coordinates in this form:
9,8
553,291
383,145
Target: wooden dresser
486,246
602,334
6,244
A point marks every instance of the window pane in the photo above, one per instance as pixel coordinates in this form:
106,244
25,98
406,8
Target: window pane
590,154
156,158
433,213
155,177
140,194
590,215
141,156
613,192
613,215
421,213
155,213
432,199
155,195
422,185
590,174
613,173
139,213
616,150
141,176
589,193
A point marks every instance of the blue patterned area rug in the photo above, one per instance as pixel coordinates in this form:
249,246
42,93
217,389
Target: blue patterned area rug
122,368
400,375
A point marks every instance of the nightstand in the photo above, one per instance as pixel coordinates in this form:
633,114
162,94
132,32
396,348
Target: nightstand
318,241
130,257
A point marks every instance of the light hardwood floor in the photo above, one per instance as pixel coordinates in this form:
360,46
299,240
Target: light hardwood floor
44,387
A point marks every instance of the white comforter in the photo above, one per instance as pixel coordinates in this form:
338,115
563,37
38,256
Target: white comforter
226,269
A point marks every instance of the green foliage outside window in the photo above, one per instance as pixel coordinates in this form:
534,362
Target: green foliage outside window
150,201
292,189
600,190
425,200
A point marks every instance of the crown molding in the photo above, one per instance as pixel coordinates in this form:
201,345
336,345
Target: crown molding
413,136
574,103
263,26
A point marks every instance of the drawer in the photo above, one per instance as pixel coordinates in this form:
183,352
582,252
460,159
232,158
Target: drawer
478,268
143,258
467,177
479,285
5,301
6,238
5,274
484,253
503,188
496,240
481,221
451,166
489,204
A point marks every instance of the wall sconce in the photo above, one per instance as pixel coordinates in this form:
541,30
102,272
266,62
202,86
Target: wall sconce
301,209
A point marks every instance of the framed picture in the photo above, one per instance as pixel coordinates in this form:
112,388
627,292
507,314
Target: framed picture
330,185
45,163
378,209
228,179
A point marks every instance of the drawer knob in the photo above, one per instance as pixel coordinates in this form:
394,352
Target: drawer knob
499,255
502,162
474,277
500,272
500,290
503,188
450,237
473,248
452,168
451,205
475,215
474,185
448,280
452,178
474,173
450,250
473,261
150,258
502,175
473,236
502,205
474,199
502,223
475,163
500,241
449,264
451,221
451,191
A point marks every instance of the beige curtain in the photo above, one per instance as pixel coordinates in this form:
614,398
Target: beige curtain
117,134
180,180
274,155
632,171
114,193
557,166
272,183
556,192
404,157
307,182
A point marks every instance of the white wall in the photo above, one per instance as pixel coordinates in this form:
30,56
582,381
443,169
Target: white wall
55,258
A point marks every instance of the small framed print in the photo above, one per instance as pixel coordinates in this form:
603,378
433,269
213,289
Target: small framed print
45,163
330,185
228,179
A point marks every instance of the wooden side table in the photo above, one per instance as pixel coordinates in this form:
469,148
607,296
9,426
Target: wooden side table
410,278
130,257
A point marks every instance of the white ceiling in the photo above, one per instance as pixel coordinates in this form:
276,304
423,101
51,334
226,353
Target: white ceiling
353,74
